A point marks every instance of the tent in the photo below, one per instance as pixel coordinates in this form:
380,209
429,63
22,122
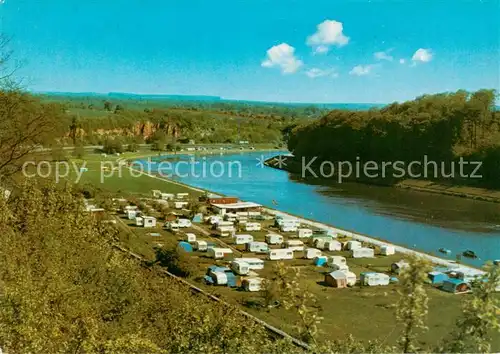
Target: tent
198,218
185,246
337,279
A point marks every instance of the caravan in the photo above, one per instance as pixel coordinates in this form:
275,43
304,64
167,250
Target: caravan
190,237
363,252
280,254
252,284
219,253
311,253
225,231
332,245
257,247
253,263
184,223
252,226
303,233
240,267
294,245
242,239
274,239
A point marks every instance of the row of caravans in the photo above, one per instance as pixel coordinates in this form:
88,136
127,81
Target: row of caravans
168,196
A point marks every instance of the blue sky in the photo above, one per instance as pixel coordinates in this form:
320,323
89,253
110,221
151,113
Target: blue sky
276,50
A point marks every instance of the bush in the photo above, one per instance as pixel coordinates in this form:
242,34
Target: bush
177,261
112,146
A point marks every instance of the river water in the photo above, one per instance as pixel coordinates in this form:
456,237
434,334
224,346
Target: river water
417,220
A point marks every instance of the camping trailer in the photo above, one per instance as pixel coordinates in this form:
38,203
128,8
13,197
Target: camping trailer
252,226
374,279
139,221
221,276
219,253
200,245
240,267
363,252
180,205
253,263
311,253
190,237
257,247
294,245
225,231
397,266
274,239
132,214
351,245
184,223
182,195
387,250
252,284
337,261
149,221
304,233
332,245
288,228
279,254
242,239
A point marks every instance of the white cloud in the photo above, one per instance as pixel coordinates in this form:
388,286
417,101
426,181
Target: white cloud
283,57
402,61
422,55
316,72
361,70
328,33
384,55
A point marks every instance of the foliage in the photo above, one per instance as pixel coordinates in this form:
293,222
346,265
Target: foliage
442,127
480,319
25,125
65,288
412,307
112,146
177,261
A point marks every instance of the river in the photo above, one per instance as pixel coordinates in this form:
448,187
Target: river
417,220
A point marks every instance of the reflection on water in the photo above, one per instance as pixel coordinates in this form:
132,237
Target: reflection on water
420,220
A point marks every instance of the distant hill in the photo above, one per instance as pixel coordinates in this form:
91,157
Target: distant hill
210,99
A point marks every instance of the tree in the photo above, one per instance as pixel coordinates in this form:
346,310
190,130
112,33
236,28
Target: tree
118,109
112,146
25,125
412,307
107,106
479,316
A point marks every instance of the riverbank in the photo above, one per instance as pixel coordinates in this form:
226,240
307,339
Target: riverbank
480,194
466,268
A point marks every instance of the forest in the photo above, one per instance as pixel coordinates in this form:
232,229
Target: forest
444,127
131,119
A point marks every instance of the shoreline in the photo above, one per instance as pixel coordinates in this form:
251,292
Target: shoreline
468,269
425,186
200,152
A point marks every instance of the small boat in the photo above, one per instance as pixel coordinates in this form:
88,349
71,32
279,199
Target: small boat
469,254
444,250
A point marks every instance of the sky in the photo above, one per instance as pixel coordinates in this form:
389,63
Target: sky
325,51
